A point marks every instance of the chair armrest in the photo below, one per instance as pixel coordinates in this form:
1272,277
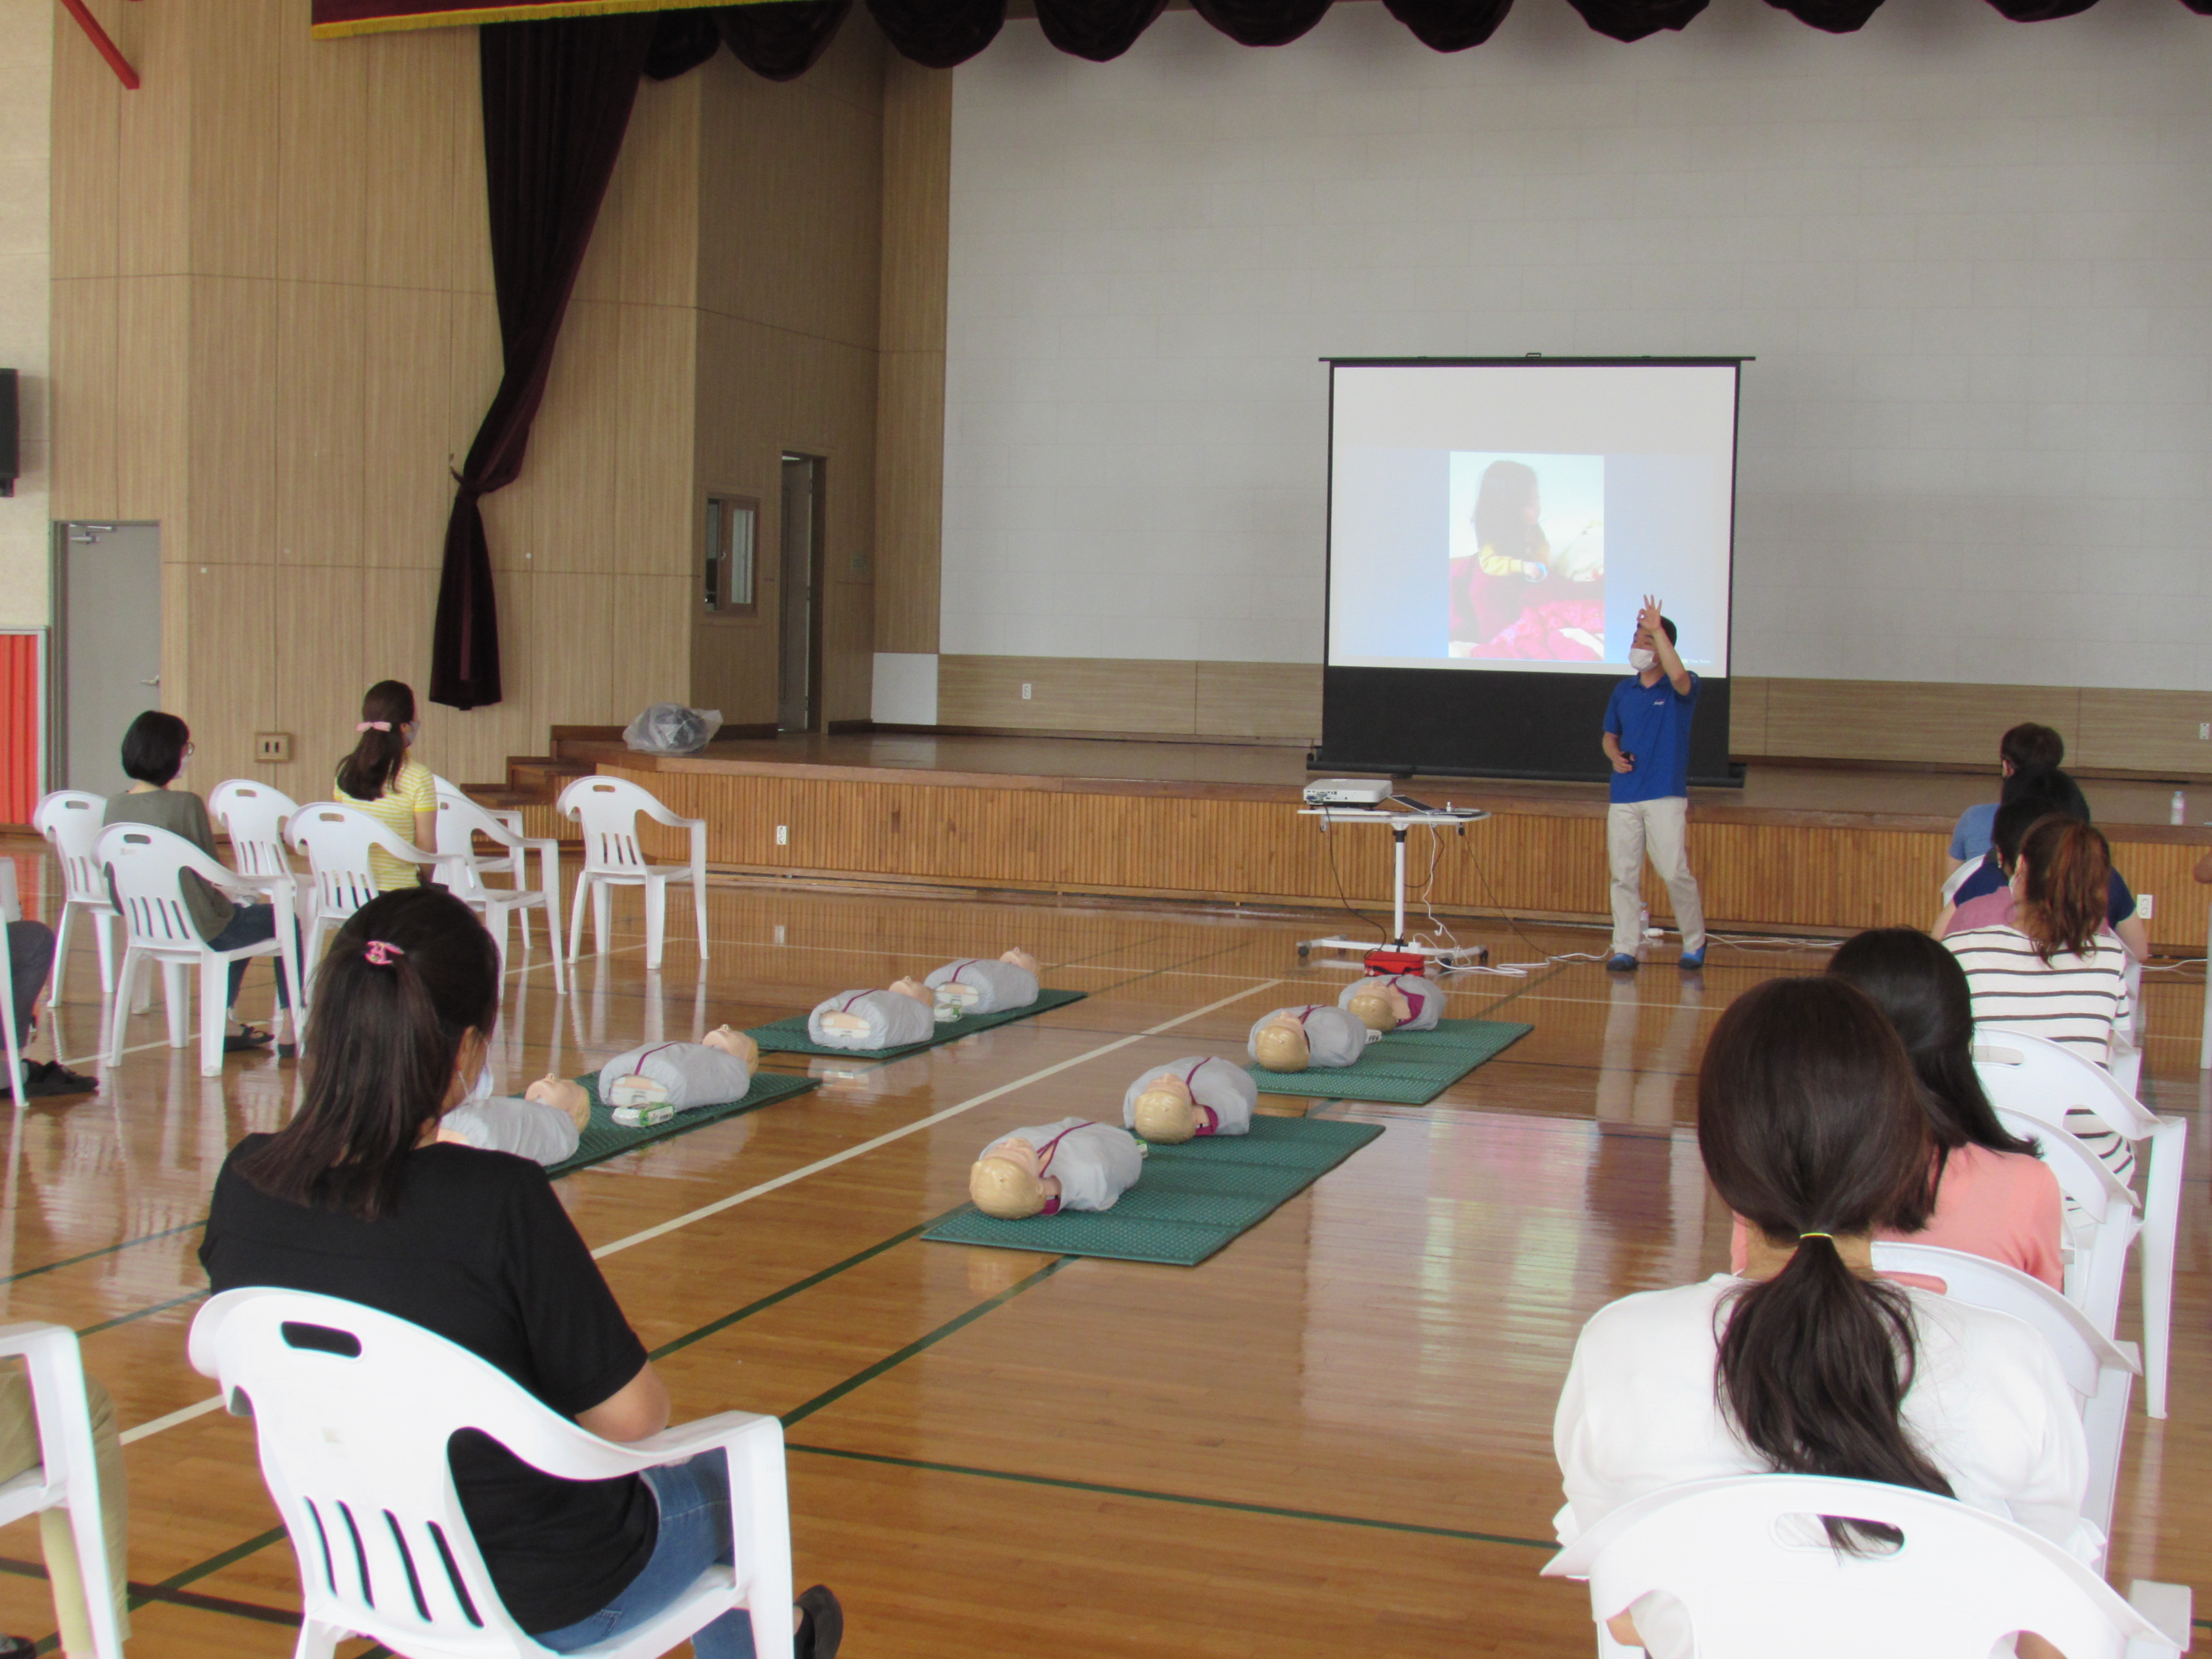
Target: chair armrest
27,1335
2166,1607
703,1434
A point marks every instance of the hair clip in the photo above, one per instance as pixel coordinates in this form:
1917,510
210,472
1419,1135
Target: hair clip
381,953
373,726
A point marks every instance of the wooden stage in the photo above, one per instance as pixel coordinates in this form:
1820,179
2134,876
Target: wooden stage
1801,848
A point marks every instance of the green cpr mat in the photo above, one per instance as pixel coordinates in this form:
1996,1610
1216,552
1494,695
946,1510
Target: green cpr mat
1404,1068
1193,1199
788,1036
607,1139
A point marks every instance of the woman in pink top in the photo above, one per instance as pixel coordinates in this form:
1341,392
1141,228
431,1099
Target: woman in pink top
1990,1195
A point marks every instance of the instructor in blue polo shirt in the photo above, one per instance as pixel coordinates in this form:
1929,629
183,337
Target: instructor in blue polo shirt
1647,739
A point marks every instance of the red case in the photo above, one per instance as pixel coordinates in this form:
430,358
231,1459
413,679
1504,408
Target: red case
1397,961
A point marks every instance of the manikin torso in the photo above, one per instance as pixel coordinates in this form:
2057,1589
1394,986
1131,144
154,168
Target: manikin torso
1072,1164
1332,1038
976,987
1415,1001
874,1019
682,1075
1199,1095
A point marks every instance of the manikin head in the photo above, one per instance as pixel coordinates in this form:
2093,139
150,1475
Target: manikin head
1380,1006
1165,1112
1005,1182
1281,1045
1020,958
564,1095
910,987
734,1042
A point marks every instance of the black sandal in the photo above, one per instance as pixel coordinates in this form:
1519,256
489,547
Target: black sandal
821,1625
247,1039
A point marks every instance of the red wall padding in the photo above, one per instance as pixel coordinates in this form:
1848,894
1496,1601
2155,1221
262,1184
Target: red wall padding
19,727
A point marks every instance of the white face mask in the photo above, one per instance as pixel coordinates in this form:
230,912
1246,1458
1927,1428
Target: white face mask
1643,661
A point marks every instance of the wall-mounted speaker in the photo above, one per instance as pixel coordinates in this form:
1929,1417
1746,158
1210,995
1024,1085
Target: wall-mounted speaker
10,448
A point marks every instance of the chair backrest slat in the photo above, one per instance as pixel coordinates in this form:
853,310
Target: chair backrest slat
71,820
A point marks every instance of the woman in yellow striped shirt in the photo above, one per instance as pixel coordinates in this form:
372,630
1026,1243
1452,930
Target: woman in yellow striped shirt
378,778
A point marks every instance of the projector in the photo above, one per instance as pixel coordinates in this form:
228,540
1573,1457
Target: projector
1349,791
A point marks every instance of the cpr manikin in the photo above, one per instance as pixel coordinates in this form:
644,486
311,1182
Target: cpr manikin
653,1083
1297,1039
544,1126
1197,1096
1393,1002
971,986
906,1013
1073,1164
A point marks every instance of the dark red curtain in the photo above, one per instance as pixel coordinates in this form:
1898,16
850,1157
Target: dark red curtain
1101,30
777,39
1261,22
939,33
1453,25
557,100
1632,20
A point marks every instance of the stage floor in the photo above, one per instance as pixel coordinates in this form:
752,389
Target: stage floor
1776,790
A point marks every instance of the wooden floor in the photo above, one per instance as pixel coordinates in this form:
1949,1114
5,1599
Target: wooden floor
1334,1437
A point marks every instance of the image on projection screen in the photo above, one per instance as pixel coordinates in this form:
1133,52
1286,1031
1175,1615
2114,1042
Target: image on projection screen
1512,516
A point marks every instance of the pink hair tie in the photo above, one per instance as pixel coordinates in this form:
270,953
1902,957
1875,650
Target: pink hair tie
381,953
373,726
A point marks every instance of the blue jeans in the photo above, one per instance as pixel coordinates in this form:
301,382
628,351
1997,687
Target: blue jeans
694,1533
255,924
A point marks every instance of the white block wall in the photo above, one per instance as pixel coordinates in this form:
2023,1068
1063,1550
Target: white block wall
1973,259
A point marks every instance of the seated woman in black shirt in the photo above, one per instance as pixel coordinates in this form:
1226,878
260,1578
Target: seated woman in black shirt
356,1198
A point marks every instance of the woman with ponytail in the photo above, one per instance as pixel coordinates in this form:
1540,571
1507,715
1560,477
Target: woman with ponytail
1812,1130
357,1197
1988,1192
378,777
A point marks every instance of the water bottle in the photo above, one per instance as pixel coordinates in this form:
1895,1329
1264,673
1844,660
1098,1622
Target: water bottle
1643,923
2178,813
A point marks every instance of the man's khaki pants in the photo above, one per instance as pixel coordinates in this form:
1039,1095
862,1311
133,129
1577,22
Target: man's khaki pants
1633,827
19,1450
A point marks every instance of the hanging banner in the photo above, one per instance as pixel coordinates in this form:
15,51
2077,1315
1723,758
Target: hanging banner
333,19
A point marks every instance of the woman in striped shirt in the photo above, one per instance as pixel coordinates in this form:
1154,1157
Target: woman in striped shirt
2056,970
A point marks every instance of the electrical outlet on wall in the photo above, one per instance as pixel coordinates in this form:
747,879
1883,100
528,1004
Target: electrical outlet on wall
1025,690
782,839
273,747
2146,905
2204,731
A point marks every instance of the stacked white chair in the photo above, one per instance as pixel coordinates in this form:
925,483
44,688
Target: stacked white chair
70,820
335,840
2029,1078
460,821
607,809
1963,1581
67,1475
146,867
2101,1372
352,1409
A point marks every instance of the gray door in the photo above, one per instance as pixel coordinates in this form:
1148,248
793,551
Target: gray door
799,675
108,617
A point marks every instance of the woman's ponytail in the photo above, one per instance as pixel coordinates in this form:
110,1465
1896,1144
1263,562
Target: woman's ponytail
1811,1127
407,980
388,709
2065,896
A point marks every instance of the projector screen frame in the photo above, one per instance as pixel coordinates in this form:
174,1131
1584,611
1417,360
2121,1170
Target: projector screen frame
1527,753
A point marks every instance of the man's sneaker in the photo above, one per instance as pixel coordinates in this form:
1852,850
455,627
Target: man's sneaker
1622,963
44,1079
1690,961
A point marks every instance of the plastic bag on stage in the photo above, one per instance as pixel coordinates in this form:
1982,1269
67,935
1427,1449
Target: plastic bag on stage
670,728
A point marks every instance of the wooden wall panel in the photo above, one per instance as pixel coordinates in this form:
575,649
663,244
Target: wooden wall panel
421,183
1901,721
1068,693
86,115
910,385
233,440
1268,700
1770,875
82,406
2144,731
152,397
233,123
322,110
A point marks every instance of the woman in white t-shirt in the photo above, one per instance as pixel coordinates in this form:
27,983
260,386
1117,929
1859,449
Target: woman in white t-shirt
1807,1363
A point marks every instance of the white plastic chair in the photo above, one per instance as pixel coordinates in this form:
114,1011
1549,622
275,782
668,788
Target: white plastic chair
2102,1218
71,820
335,841
460,821
493,866
1962,1582
607,808
2031,1078
11,909
253,816
146,865
352,1432
2101,1372
67,1475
